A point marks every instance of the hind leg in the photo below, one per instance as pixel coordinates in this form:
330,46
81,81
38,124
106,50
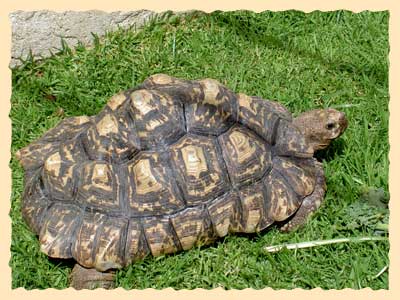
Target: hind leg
82,278
310,203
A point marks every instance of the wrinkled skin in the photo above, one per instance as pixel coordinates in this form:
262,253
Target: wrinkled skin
321,126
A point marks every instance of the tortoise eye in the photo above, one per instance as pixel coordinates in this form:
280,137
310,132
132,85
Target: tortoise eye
330,126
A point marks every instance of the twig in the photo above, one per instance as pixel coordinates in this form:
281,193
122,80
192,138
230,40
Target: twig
345,105
381,271
320,243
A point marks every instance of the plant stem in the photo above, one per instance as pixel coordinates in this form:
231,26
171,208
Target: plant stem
320,243
381,271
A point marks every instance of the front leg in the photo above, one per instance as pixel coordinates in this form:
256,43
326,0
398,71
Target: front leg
310,203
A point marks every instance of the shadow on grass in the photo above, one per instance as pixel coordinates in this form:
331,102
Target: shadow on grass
257,34
69,262
335,148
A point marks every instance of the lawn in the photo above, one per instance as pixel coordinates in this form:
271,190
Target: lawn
317,60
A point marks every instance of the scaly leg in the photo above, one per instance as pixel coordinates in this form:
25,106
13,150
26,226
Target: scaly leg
82,278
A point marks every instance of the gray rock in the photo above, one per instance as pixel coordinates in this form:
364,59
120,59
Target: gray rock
41,31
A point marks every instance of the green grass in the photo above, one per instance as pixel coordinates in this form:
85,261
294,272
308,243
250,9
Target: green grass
335,59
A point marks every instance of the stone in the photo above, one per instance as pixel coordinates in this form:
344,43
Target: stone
41,31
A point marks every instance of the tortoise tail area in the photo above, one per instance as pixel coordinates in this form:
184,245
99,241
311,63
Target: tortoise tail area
33,156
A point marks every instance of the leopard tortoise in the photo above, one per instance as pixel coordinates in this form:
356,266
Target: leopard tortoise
168,165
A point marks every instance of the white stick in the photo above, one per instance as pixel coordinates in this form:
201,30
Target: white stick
381,271
320,243
345,105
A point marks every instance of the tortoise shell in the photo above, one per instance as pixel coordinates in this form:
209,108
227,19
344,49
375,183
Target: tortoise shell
163,167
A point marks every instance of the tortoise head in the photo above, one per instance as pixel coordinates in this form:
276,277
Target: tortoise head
321,126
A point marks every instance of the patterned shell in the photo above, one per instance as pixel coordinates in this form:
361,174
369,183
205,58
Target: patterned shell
163,167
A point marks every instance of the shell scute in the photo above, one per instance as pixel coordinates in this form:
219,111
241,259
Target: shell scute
254,208
137,247
84,247
193,227
300,174
111,137
61,169
57,233
199,168
217,111
282,200
225,213
247,156
35,201
261,115
34,155
111,244
158,118
99,185
160,235
151,189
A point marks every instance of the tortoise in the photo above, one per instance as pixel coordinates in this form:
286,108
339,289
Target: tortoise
168,165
